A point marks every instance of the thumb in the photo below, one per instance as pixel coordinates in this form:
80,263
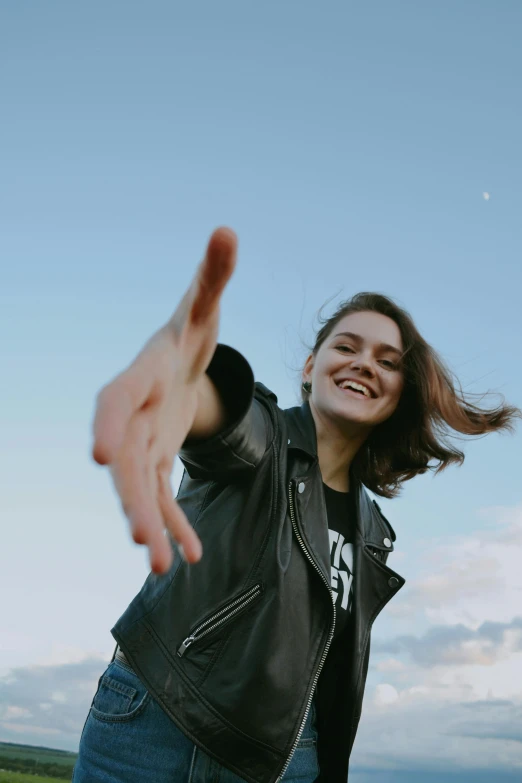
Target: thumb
116,404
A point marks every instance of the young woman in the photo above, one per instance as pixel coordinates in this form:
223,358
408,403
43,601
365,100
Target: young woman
245,659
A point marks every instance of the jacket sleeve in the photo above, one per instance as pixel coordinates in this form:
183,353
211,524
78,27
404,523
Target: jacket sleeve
241,446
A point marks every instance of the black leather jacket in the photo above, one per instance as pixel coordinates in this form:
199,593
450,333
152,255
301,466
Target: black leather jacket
232,647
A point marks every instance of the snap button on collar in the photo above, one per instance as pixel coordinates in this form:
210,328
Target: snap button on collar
387,542
301,487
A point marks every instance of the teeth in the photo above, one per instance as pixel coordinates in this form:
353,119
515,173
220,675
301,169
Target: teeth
356,386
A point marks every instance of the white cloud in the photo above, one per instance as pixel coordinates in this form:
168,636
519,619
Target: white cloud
415,732
390,665
385,694
448,645
53,701
445,692
22,731
469,579
16,712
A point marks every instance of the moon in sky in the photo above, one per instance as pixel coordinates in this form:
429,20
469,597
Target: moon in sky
485,196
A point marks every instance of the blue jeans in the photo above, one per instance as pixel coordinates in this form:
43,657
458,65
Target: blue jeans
128,738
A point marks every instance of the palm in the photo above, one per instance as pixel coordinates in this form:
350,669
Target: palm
145,414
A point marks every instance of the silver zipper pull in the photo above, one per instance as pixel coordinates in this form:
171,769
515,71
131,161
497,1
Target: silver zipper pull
188,641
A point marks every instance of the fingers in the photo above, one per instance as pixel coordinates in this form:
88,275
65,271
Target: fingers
130,475
214,273
160,553
147,502
116,404
176,521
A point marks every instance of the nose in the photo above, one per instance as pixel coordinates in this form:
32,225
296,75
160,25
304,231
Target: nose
364,365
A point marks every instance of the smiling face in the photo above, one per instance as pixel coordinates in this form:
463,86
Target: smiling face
356,375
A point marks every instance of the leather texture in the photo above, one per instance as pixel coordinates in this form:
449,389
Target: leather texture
258,606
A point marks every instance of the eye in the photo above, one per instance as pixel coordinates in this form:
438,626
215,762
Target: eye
389,364
345,348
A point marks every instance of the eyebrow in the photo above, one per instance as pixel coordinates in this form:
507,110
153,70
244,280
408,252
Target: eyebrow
359,339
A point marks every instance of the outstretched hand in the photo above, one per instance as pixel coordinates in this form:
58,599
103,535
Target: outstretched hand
144,415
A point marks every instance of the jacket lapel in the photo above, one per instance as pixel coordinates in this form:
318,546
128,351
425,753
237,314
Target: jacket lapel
374,582
306,485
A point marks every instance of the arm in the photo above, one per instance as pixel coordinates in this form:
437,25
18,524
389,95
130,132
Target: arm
211,414
232,429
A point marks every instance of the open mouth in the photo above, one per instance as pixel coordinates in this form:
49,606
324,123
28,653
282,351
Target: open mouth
355,389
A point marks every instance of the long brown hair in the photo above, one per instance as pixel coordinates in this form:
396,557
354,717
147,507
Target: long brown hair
415,438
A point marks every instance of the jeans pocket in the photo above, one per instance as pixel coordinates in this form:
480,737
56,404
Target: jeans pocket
307,742
121,696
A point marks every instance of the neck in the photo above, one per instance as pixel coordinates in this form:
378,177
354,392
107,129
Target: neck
336,450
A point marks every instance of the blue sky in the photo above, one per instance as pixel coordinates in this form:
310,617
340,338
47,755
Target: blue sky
350,146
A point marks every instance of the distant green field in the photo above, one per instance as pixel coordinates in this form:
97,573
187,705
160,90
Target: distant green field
21,777
29,763
32,753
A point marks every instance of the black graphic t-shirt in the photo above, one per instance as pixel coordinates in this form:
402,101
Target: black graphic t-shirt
341,531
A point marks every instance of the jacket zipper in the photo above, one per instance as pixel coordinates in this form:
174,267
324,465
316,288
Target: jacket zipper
330,637
223,616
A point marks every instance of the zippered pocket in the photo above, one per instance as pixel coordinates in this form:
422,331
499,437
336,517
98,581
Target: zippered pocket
221,617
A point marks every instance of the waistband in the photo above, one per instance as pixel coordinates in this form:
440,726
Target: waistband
119,655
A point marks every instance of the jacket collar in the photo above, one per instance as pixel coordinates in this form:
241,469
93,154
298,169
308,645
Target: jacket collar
301,429
302,436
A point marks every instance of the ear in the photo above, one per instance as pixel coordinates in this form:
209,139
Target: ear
307,369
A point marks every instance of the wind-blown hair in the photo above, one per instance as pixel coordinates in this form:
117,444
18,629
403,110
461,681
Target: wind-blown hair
416,438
